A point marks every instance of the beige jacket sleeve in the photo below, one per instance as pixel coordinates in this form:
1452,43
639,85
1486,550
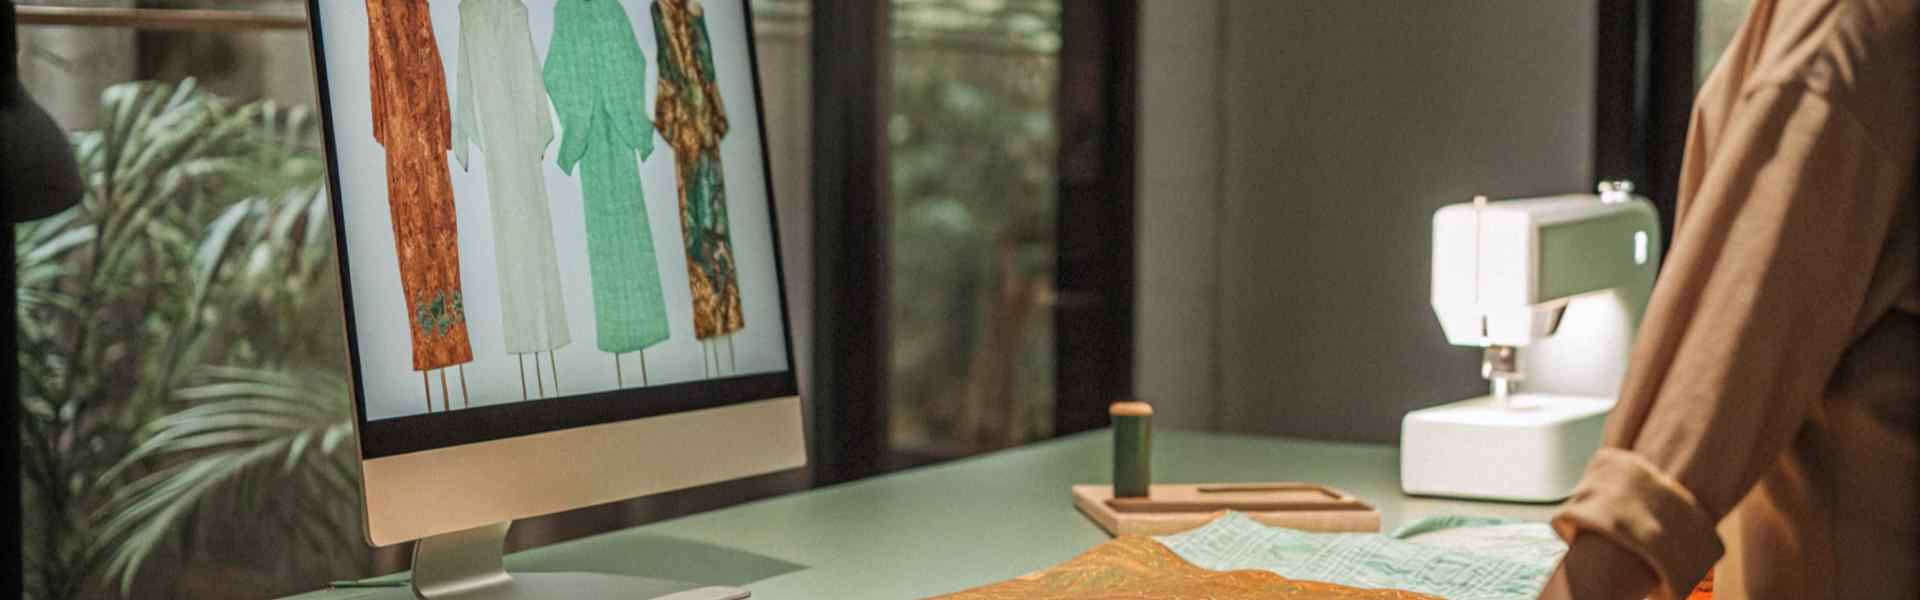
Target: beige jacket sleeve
1759,298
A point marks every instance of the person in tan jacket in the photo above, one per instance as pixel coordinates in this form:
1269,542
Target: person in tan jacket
1770,420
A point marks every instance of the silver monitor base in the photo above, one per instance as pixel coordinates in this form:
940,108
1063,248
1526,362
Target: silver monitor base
467,565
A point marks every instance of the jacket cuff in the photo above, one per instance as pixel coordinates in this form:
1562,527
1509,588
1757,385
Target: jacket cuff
1630,502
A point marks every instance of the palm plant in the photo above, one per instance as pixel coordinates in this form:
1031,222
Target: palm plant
260,437
180,342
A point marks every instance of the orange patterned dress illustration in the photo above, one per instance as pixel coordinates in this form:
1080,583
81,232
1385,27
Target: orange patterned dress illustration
412,121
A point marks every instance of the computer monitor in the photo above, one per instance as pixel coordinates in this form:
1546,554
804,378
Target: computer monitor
558,263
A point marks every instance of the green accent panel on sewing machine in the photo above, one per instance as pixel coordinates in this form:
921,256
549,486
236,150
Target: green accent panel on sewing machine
960,524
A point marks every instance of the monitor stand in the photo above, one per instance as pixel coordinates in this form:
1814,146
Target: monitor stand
467,565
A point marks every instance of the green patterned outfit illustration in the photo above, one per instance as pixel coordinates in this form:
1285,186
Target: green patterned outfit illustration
596,75
691,116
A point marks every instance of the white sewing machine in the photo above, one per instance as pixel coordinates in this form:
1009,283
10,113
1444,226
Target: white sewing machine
1553,288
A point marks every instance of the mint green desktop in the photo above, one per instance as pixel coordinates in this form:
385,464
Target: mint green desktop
953,526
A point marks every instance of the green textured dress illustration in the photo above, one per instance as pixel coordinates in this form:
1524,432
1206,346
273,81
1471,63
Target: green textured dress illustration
596,75
690,115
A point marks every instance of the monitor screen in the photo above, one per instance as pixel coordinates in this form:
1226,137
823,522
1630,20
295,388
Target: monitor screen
550,214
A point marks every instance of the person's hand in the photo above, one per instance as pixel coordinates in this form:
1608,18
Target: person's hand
1595,568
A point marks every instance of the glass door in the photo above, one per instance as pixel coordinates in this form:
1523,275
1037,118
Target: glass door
972,140
971,197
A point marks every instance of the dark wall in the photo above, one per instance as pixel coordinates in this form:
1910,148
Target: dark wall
1343,125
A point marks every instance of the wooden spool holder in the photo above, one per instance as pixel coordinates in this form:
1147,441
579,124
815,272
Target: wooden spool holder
1173,508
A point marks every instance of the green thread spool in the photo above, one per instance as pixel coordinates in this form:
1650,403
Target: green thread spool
1132,448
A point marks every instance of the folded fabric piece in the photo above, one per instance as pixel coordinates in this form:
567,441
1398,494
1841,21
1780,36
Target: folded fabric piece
1139,568
1505,538
1524,541
1371,560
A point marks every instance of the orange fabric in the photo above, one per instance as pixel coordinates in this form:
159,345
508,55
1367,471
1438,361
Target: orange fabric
411,119
1703,590
1138,568
1772,406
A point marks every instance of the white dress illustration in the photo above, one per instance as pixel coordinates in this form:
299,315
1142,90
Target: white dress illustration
502,109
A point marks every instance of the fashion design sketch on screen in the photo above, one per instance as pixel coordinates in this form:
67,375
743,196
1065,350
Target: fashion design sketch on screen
690,115
596,74
502,109
410,120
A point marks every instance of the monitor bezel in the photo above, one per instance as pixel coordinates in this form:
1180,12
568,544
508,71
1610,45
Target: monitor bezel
418,433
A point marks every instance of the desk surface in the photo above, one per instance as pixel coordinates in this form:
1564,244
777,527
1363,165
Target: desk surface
961,524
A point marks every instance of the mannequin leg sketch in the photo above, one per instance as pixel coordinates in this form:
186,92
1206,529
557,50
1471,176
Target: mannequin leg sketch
466,401
427,389
618,379
643,367
732,367
555,363
523,376
539,381
446,395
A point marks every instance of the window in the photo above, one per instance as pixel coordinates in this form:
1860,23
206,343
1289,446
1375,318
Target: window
196,294
212,286
980,154
973,147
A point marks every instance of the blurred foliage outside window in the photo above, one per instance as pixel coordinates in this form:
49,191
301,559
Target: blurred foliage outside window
972,144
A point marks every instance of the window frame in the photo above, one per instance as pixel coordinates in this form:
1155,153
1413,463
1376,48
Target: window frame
850,182
1644,89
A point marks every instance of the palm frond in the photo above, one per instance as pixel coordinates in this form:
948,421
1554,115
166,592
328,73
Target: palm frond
247,429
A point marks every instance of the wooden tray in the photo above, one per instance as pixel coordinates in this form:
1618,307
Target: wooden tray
1173,508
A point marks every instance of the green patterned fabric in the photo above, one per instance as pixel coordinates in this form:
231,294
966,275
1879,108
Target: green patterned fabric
596,74
1410,559
1523,541
438,315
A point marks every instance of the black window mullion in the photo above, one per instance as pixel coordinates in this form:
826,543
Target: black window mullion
849,88
1093,321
